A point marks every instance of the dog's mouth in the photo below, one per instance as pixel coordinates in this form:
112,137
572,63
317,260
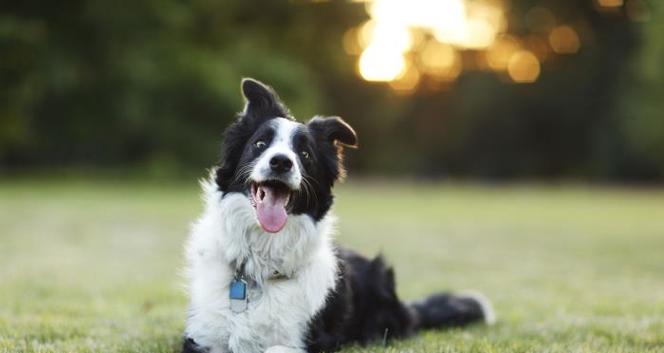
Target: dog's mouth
270,199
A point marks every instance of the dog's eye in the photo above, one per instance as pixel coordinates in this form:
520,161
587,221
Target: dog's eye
304,154
260,144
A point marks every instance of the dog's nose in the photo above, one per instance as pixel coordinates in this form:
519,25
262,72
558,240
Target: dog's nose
281,163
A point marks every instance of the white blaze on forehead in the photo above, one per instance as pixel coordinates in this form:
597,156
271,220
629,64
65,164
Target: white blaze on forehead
281,144
284,131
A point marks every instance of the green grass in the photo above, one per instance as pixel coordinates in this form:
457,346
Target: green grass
94,267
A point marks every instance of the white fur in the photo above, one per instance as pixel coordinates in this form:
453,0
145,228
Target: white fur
281,144
485,304
278,313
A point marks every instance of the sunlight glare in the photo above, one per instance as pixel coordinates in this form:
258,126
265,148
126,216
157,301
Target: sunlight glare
395,37
483,23
414,43
480,34
381,63
388,35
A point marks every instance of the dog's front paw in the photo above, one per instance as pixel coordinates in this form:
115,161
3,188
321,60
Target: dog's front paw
283,349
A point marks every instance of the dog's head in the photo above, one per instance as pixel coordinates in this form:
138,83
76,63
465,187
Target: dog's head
282,166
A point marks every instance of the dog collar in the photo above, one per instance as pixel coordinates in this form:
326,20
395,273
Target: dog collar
238,288
241,274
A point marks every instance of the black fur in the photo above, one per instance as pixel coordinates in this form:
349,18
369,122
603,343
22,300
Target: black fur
364,306
262,105
322,138
189,346
447,310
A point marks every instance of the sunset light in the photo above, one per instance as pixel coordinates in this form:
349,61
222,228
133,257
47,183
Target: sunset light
387,37
381,63
407,41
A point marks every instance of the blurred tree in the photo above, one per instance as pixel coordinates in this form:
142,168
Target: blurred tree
151,84
560,126
641,115
103,83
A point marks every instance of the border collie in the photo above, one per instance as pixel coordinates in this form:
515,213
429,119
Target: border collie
263,273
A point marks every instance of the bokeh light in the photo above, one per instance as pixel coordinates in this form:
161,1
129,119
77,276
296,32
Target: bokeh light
499,54
406,41
538,46
523,67
380,63
438,58
484,21
388,35
351,43
610,3
564,40
408,81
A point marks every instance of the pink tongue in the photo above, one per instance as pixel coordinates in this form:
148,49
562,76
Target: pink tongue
271,210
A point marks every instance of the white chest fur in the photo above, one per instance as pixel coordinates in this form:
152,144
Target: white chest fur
279,311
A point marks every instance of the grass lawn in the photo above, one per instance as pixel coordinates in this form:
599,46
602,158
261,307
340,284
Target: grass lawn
95,267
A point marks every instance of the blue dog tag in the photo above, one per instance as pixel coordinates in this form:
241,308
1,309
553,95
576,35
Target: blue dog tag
238,289
238,295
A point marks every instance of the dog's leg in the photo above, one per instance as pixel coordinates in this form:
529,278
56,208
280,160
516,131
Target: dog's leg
284,349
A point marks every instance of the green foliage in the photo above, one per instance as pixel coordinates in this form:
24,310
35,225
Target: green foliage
642,107
94,267
151,84
102,84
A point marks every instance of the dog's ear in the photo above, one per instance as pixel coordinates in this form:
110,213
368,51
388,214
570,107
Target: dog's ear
334,130
333,134
262,102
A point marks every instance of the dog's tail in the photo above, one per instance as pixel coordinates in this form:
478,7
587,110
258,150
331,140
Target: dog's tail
452,310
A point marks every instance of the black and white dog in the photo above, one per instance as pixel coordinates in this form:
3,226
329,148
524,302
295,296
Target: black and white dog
263,273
